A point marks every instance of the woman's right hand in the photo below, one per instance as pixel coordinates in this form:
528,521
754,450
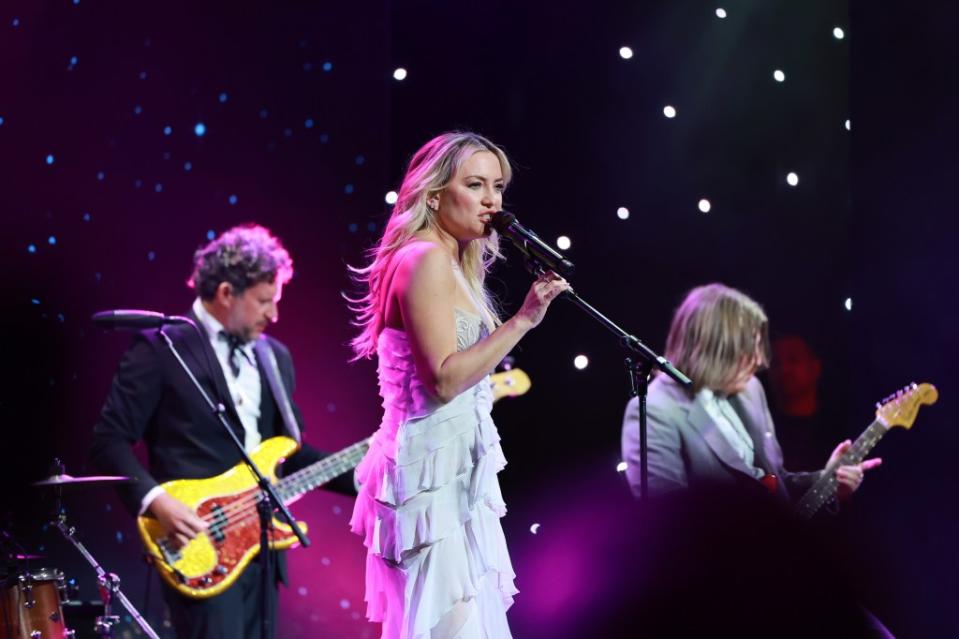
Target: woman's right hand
542,292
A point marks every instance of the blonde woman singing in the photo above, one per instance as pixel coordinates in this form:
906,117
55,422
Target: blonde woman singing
429,507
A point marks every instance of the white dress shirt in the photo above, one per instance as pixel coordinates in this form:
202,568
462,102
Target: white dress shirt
731,426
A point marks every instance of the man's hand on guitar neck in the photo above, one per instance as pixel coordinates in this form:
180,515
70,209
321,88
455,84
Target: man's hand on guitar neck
180,522
849,477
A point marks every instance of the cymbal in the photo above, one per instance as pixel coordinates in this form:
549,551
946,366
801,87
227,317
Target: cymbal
67,481
27,557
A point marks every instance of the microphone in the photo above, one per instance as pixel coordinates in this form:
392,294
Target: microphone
529,243
134,319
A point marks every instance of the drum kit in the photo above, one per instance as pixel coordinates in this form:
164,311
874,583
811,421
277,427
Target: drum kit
32,600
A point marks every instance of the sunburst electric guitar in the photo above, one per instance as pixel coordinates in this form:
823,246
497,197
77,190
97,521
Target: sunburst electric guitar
896,410
212,561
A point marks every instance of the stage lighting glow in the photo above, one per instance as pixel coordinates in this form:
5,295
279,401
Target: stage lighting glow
188,166
211,234
232,199
137,110
50,159
223,98
534,528
327,66
200,129
704,205
52,240
720,13
622,213
143,75
792,179
390,197
1,120
848,125
625,53
838,33
308,123
580,362
848,304
621,467
399,74
101,175
563,242
779,76
348,189
669,111
345,604
263,114
31,248
158,187
15,22
167,130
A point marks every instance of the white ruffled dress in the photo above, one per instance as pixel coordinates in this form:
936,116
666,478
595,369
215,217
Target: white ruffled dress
430,503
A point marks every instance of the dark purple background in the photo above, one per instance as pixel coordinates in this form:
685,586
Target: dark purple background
869,220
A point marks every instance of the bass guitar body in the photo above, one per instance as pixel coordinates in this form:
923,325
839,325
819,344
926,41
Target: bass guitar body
212,561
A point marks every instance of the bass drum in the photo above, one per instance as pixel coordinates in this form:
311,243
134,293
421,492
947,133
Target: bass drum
31,606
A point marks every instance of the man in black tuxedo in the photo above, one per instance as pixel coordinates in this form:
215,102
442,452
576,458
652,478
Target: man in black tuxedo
238,278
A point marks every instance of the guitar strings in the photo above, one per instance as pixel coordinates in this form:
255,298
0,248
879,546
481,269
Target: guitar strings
300,479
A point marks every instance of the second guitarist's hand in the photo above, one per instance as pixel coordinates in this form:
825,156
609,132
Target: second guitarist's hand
849,477
180,522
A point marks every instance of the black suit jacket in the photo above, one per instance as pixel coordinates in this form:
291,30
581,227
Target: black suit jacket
153,400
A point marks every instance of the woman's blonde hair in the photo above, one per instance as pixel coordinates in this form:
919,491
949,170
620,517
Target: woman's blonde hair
714,331
431,169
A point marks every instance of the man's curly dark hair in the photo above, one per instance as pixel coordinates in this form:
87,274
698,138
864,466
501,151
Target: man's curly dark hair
243,257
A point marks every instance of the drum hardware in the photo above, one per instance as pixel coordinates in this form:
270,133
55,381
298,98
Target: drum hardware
109,582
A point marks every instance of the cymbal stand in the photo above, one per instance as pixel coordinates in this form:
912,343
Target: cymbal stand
109,582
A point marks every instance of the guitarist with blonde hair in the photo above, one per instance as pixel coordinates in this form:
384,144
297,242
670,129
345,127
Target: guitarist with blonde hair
238,279
720,432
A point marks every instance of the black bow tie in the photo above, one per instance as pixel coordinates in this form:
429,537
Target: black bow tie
235,342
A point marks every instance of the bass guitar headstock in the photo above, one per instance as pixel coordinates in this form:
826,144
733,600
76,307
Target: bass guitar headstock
509,383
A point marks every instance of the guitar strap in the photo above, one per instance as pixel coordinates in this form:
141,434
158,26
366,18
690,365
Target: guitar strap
266,355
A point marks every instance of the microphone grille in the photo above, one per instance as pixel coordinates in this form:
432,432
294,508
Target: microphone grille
501,220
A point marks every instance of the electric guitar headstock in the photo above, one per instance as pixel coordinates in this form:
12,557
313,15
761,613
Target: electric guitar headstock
512,382
900,409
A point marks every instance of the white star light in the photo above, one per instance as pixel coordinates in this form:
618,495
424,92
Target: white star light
669,111
838,33
563,242
625,53
779,76
720,13
399,74
580,362
704,205
391,197
622,213
792,179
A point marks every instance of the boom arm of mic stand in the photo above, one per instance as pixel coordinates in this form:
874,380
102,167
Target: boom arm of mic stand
630,342
262,481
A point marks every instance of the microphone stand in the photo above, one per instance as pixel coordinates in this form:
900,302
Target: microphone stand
269,500
639,367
